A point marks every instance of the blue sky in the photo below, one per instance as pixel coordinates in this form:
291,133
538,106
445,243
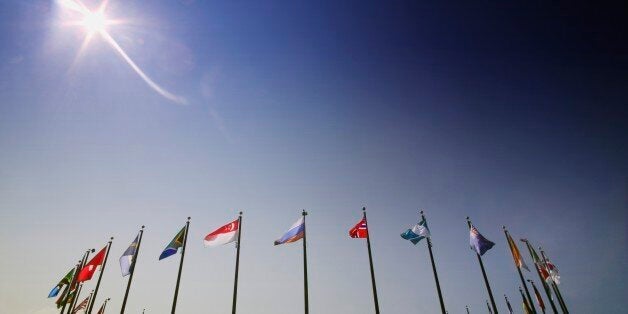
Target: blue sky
513,114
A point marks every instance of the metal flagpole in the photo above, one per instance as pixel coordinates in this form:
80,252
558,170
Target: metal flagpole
78,291
104,306
368,244
69,287
545,287
561,301
82,264
307,307
90,300
537,295
133,260
176,290
508,304
523,281
489,307
429,246
102,270
467,307
488,286
237,265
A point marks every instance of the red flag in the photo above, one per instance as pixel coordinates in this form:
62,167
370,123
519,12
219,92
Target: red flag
88,271
360,230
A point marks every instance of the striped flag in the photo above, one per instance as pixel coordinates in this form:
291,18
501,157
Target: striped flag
82,305
360,230
295,233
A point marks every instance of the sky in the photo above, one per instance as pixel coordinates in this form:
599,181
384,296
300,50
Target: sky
511,113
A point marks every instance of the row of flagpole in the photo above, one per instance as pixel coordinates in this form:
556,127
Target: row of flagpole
73,281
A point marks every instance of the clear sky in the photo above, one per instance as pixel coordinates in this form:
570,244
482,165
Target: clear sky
511,113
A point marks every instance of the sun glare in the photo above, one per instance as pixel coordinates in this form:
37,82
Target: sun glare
95,22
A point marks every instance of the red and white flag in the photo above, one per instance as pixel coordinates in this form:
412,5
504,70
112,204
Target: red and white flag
223,235
360,230
88,271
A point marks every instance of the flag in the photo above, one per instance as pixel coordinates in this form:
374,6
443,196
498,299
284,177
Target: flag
64,281
417,233
360,230
66,297
174,245
553,272
223,235
90,268
82,305
478,242
102,308
295,233
126,260
539,300
526,307
516,255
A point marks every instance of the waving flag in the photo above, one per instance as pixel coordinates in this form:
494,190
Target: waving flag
64,281
478,242
88,271
223,235
417,233
516,255
553,272
66,297
126,260
539,300
82,305
174,245
295,233
360,230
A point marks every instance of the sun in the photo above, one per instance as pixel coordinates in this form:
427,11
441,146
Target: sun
95,22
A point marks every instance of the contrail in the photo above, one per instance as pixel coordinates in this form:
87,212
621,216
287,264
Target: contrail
78,6
146,78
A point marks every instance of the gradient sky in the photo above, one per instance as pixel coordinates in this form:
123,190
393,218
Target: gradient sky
512,113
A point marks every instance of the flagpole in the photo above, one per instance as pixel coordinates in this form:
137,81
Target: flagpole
489,307
74,280
429,246
545,286
537,295
91,299
69,287
563,305
523,281
304,213
368,245
176,290
80,287
467,307
237,265
132,269
104,306
508,304
488,286
102,271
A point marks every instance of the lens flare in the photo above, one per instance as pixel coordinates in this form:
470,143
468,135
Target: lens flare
95,23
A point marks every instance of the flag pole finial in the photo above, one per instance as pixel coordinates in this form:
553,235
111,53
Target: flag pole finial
240,213
143,226
363,208
421,212
110,239
304,213
91,250
189,218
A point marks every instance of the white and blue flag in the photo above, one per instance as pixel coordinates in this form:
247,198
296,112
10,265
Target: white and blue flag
417,233
126,260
